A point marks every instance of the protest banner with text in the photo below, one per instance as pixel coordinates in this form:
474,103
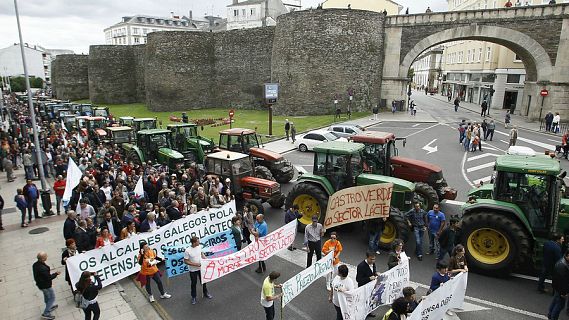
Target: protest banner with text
217,245
117,261
295,285
260,249
358,204
449,295
358,303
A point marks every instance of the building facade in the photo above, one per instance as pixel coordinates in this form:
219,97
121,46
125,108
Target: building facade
133,30
254,13
427,72
391,7
477,71
38,61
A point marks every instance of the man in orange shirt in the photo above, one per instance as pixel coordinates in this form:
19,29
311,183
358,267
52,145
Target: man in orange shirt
333,244
59,189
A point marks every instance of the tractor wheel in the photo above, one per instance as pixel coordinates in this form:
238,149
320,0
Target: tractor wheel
302,148
263,173
131,155
494,243
276,201
311,200
425,195
285,177
395,228
256,207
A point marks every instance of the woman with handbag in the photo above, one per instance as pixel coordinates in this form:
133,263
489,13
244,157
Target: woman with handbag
148,270
89,292
69,252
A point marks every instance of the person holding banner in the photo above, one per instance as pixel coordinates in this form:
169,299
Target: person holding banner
367,272
260,231
268,294
236,231
193,258
398,310
441,276
148,270
341,283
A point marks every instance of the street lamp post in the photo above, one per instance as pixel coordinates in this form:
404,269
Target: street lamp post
45,197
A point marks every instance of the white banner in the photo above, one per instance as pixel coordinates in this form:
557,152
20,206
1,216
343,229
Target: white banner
360,302
117,261
449,295
294,286
261,249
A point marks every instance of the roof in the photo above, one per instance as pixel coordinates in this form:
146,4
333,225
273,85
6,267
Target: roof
90,118
154,131
373,137
127,118
120,128
227,155
538,164
245,3
182,125
339,147
144,119
237,131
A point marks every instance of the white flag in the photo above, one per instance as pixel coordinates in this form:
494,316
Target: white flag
78,207
139,189
63,126
74,175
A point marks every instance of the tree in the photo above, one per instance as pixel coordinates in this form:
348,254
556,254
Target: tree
19,83
36,82
410,73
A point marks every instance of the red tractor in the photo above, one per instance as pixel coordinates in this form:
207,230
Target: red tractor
245,187
268,165
380,157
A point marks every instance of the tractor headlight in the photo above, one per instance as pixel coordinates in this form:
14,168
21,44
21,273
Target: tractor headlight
267,190
440,181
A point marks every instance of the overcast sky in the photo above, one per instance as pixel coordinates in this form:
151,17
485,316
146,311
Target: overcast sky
76,24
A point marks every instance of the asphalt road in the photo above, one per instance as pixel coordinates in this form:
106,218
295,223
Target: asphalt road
237,295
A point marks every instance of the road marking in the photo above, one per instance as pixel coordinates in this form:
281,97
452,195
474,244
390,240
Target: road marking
523,276
506,142
415,125
481,156
480,167
492,147
556,141
507,308
430,149
530,141
453,202
464,172
427,128
485,179
300,169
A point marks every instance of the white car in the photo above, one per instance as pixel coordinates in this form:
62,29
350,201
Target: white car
313,138
345,130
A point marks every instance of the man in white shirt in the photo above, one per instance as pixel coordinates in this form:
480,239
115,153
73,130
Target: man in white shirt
341,283
193,258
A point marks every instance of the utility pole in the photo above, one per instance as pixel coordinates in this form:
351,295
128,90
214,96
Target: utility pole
44,192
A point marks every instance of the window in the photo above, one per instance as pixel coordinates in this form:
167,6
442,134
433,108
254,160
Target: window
337,129
468,56
513,78
479,54
144,31
244,12
460,54
235,13
517,58
252,11
135,30
488,77
136,40
488,53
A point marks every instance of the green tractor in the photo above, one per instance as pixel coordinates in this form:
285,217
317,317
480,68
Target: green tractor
154,145
339,165
139,124
505,224
186,139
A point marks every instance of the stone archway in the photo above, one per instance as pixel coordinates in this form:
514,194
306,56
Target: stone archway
536,60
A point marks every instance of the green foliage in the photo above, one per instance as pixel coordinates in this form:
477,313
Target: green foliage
18,84
252,119
411,73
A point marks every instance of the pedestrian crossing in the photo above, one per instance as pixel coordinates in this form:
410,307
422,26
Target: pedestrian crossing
478,167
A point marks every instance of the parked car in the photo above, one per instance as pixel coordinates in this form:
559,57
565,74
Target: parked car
311,139
345,130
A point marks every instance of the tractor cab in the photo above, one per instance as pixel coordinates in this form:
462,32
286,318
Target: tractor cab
155,145
119,135
139,124
126,121
340,162
69,121
60,113
189,142
86,109
92,127
101,112
238,140
238,167
379,148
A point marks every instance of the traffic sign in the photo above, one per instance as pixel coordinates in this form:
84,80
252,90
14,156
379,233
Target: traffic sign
231,113
271,92
544,92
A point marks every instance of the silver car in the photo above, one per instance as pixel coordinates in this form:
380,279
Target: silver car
345,130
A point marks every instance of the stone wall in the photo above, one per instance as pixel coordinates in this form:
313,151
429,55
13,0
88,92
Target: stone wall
69,77
112,74
320,53
138,53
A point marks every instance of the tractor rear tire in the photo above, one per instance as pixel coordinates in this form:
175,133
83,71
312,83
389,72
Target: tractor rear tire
131,155
285,177
276,201
256,207
311,200
396,227
263,173
425,194
495,243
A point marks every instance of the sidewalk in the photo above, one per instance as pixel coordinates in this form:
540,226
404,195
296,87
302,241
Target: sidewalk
282,146
497,114
21,299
